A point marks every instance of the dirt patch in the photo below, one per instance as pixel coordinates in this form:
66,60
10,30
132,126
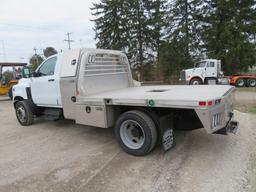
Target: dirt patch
245,100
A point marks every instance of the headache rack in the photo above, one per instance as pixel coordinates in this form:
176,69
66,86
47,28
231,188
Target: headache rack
105,64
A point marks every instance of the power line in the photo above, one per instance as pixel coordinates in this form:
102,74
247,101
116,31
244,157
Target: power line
69,40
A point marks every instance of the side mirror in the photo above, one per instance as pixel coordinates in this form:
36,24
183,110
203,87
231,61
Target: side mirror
26,72
36,74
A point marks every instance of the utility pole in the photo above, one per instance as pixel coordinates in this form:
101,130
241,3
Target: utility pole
69,40
35,49
37,62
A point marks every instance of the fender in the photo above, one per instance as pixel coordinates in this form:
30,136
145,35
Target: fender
21,90
198,77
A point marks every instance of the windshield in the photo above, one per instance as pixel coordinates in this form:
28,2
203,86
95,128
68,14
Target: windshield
200,65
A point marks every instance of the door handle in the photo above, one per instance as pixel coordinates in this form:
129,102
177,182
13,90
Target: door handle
51,80
73,99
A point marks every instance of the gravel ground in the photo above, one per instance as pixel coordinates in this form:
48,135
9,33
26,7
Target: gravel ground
61,156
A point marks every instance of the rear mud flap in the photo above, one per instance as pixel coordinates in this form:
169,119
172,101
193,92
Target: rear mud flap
166,130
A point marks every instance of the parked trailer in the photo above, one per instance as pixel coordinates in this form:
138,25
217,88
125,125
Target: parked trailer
96,88
243,81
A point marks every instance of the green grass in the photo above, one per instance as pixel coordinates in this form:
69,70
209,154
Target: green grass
246,108
246,89
252,110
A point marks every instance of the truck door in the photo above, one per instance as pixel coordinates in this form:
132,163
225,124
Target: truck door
211,69
44,85
68,82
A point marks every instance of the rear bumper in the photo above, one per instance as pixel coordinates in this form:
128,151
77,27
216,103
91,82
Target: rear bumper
231,127
219,118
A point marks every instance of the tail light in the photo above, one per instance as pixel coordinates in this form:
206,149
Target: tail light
209,103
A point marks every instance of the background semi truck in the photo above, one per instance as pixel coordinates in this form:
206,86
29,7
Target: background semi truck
96,88
209,72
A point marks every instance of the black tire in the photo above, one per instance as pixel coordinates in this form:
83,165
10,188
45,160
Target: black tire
10,93
24,112
195,81
240,83
145,123
251,82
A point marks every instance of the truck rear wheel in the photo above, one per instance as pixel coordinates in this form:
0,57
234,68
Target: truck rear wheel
24,112
252,82
240,83
136,132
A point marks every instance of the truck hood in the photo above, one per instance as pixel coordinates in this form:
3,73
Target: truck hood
190,72
24,82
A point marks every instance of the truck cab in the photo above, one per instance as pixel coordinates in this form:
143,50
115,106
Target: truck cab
42,84
204,72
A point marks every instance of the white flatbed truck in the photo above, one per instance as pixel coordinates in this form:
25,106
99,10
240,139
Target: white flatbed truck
95,87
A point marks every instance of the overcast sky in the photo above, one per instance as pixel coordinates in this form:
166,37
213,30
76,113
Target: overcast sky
29,24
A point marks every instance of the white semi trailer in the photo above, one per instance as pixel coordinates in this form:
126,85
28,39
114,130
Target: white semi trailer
96,88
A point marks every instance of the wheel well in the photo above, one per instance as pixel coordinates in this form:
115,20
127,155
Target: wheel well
17,99
184,119
199,78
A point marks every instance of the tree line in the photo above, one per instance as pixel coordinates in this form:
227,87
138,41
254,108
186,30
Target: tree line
37,59
166,36
34,62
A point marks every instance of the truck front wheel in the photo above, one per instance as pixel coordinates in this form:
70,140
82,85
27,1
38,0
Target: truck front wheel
136,132
24,112
195,81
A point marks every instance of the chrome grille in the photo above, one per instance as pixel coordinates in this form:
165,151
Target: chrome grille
183,75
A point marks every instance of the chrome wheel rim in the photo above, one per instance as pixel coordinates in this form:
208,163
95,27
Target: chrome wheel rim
21,114
253,83
240,83
196,83
132,134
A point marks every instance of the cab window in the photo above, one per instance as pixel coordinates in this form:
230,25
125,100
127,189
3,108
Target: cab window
200,65
48,67
210,64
